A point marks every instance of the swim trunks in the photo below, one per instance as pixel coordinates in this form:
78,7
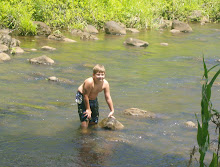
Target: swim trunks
94,106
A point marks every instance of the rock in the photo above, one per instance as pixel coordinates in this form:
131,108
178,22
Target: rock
76,32
136,42
7,40
68,40
175,31
33,49
3,48
114,28
88,36
47,48
42,60
42,28
91,29
16,50
139,112
4,57
165,24
190,124
164,44
183,27
111,123
133,30
57,37
218,60
204,19
53,78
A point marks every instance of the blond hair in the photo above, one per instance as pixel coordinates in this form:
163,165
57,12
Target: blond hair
98,68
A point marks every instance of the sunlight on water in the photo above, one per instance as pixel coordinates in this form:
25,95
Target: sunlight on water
39,122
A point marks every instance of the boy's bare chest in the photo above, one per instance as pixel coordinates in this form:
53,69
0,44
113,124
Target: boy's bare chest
97,88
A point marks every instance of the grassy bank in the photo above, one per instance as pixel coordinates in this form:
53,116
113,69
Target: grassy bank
19,14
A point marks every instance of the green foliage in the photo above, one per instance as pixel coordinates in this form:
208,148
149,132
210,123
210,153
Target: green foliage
207,114
18,14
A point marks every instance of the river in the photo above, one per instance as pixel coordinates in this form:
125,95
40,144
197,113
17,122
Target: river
39,123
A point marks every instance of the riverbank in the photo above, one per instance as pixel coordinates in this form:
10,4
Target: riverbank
19,15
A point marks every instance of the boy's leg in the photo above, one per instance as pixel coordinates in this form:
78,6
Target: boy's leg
84,124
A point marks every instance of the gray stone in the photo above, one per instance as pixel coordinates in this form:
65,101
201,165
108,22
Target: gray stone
16,50
190,124
42,60
181,26
114,28
111,123
48,48
42,28
139,112
88,36
91,29
136,42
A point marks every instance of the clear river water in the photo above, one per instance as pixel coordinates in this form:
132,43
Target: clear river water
39,123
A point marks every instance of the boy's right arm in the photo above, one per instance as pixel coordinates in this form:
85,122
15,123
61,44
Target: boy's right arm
87,86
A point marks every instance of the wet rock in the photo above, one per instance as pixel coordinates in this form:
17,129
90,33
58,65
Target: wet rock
17,50
42,60
48,48
133,30
76,32
42,28
114,28
181,26
33,49
57,37
165,24
111,123
164,44
174,31
139,112
218,60
4,57
190,124
88,36
91,29
53,78
68,40
3,48
7,40
136,42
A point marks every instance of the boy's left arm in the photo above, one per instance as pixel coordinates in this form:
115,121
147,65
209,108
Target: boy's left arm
109,100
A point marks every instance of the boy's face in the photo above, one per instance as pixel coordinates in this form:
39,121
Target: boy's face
100,76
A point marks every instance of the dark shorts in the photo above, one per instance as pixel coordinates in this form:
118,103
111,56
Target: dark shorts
94,106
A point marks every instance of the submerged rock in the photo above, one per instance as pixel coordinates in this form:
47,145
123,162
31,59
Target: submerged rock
111,123
47,48
42,60
139,112
133,30
136,42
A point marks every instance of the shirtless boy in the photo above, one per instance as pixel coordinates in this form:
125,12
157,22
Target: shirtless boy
86,97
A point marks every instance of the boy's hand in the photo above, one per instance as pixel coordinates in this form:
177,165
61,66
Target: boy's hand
88,113
111,114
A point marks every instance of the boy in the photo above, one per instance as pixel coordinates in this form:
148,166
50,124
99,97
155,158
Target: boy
86,97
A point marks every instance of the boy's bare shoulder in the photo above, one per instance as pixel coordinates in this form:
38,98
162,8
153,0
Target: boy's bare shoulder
89,80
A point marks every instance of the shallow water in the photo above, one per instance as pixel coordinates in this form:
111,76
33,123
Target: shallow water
39,123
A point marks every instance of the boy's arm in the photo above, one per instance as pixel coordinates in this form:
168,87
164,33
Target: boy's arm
109,100
87,86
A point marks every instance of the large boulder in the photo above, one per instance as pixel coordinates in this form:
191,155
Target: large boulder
91,29
42,28
114,28
4,57
136,42
181,26
139,112
111,123
42,60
